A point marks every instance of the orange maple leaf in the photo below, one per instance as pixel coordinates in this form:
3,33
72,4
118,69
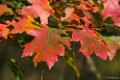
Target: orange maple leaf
24,24
4,31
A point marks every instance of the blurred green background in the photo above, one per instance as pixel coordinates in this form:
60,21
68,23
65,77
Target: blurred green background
90,69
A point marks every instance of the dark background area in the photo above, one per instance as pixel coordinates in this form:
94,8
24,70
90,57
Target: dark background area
90,69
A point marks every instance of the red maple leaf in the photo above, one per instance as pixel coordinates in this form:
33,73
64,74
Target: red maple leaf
112,9
90,43
4,31
113,43
46,46
39,8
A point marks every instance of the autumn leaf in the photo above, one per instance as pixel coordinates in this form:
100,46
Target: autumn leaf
24,24
113,43
88,5
70,15
39,8
112,9
4,31
90,43
4,8
46,46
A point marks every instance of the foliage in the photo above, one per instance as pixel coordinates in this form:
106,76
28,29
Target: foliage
54,24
